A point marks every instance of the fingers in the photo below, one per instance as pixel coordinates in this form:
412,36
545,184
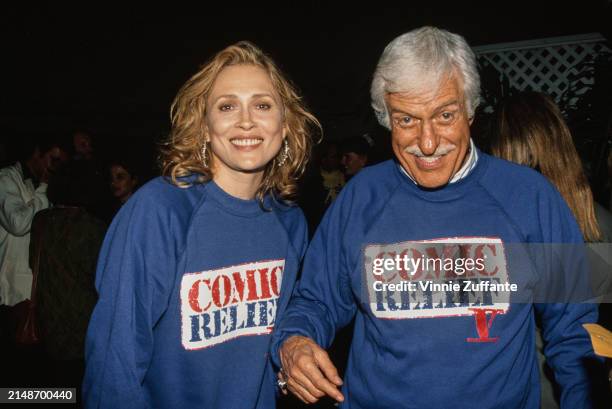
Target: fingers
327,367
312,379
310,370
299,391
305,380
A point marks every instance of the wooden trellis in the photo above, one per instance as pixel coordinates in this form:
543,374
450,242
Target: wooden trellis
547,65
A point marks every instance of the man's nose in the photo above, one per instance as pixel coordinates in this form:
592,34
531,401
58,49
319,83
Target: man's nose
428,140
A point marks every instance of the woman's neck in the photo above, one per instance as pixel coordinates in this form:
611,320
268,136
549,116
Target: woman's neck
241,185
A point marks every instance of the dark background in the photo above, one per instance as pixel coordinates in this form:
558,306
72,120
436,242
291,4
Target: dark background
115,70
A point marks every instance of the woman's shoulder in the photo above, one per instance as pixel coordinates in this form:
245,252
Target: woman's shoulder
161,193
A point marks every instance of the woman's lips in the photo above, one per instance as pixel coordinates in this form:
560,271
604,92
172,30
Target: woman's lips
246,144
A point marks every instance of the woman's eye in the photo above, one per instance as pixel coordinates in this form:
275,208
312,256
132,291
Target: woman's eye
225,107
264,106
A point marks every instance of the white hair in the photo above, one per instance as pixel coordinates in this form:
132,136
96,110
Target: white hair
419,61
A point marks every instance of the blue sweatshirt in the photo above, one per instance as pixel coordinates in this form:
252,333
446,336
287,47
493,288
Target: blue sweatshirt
439,353
190,282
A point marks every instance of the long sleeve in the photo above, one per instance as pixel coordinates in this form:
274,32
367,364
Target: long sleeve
323,301
16,214
134,278
562,309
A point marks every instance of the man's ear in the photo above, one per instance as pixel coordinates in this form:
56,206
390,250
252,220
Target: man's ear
470,120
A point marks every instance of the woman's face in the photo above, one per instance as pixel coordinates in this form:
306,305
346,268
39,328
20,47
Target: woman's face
122,183
244,121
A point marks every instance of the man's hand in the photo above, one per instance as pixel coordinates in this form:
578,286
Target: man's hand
309,372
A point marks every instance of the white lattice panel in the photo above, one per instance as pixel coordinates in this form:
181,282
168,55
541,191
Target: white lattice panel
545,65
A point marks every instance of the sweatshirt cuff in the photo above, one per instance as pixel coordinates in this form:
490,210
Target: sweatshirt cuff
281,336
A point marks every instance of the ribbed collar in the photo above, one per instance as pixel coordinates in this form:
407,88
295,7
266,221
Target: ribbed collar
234,205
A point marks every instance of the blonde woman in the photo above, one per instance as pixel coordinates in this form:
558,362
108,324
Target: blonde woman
199,264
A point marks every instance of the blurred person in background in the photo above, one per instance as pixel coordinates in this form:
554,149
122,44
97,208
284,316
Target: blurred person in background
124,179
320,184
82,144
355,153
65,243
23,193
333,178
529,129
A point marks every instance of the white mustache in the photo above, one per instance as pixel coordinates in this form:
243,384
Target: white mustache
440,150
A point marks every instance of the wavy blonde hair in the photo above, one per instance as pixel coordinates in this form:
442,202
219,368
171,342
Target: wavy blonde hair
530,130
181,153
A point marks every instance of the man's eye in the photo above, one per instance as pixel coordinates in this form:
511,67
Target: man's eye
405,121
447,116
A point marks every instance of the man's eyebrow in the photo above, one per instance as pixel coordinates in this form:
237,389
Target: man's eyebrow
444,105
447,104
399,111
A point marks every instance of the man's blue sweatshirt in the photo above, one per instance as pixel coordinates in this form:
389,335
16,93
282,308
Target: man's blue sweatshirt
439,352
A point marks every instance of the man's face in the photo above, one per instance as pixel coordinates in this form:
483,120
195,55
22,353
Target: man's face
430,132
46,163
353,162
53,158
82,145
331,159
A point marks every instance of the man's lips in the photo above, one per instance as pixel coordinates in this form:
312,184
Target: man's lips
429,162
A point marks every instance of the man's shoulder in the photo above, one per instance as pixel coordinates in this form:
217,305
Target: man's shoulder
373,173
11,178
372,181
526,196
505,176
375,177
10,171
367,192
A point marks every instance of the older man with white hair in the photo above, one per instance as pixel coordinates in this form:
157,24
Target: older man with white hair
415,250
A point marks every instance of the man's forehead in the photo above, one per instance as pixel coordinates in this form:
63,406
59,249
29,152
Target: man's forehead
447,93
